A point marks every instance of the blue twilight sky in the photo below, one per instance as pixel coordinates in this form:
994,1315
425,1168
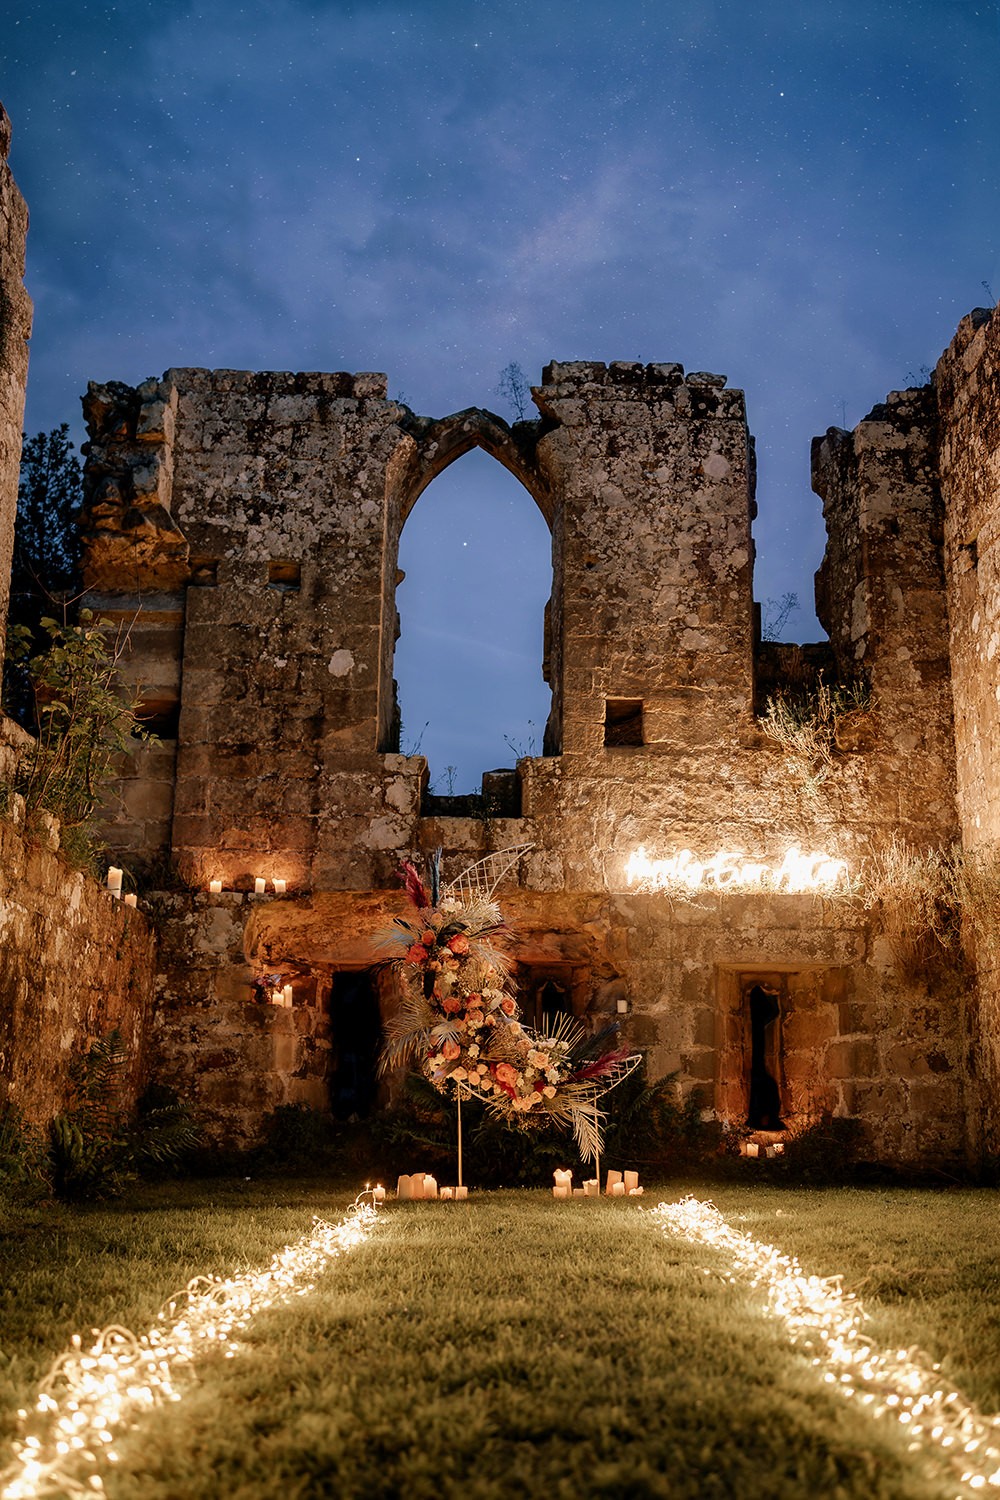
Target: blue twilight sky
799,193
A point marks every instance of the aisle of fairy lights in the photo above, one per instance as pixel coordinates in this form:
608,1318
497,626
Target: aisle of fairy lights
826,1322
94,1391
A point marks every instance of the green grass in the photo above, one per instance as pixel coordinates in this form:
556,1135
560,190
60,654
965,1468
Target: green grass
512,1344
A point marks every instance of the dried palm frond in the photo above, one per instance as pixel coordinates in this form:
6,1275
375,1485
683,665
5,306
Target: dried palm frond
407,1030
480,880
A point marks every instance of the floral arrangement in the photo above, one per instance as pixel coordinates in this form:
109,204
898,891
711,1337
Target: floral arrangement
459,1020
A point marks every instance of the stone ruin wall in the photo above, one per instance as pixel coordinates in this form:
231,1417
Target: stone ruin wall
73,964
967,382
256,519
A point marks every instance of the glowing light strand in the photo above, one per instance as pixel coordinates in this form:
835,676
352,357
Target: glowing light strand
726,871
822,1319
93,1390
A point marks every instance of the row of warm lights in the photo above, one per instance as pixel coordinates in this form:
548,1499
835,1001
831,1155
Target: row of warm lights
728,871
819,1315
419,1186
115,887
617,1185
91,1392
278,885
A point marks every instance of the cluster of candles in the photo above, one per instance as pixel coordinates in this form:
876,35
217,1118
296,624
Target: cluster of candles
259,886
421,1185
754,1148
282,995
115,887
617,1185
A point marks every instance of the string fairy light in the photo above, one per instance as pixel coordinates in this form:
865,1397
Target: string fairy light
825,1321
94,1389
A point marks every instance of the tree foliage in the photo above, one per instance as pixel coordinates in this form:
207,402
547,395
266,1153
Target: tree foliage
514,389
86,716
44,568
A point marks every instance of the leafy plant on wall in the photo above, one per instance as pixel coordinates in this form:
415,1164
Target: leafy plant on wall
87,718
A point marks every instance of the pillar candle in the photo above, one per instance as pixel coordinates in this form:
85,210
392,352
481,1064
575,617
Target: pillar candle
461,1193
131,899
618,1190
592,1188
416,1185
562,1177
631,1180
286,995
579,1192
279,887
259,885
622,1006
215,887
613,1181
115,880
561,1190
378,1193
430,1186
403,1189
448,1194
752,1148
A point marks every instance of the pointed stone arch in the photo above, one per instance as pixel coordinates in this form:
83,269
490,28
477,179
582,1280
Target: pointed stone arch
426,448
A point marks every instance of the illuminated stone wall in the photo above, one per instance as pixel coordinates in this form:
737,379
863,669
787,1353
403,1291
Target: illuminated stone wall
264,513
967,381
73,965
15,327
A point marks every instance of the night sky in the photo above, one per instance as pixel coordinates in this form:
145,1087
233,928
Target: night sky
800,194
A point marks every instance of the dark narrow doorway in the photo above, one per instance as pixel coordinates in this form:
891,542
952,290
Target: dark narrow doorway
356,1034
764,1110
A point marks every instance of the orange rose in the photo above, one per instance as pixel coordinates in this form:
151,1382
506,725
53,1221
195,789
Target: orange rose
451,1050
459,943
417,954
451,1005
506,1074
427,937
508,1005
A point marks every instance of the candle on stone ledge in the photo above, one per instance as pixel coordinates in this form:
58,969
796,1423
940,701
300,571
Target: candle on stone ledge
286,994
115,881
259,885
279,887
215,887
131,899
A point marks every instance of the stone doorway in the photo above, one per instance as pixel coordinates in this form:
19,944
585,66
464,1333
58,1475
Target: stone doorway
774,1031
356,1042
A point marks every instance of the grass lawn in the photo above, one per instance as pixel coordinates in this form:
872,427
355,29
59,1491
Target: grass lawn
567,1349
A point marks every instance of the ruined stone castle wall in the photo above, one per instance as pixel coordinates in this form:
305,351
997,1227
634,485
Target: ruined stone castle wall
15,328
256,520
73,965
967,382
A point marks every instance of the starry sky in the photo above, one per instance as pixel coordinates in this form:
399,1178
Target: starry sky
801,194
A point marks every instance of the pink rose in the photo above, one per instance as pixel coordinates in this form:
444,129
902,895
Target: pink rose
451,1050
508,1005
459,943
505,1074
